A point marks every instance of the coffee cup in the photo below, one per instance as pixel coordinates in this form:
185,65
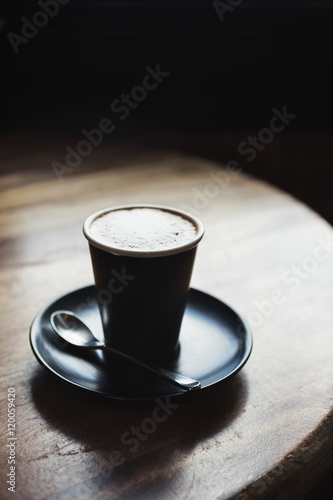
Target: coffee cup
142,258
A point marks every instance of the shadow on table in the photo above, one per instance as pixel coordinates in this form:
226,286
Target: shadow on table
131,438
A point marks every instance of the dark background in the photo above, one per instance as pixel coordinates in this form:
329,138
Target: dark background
223,75
225,79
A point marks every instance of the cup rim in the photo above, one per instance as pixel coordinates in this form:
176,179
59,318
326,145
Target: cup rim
144,253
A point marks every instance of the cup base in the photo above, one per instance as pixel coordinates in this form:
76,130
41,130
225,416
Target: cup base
153,357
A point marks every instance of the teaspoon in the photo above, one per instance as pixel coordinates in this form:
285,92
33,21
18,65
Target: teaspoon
72,329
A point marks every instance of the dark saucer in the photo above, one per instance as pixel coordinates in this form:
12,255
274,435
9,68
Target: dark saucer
215,344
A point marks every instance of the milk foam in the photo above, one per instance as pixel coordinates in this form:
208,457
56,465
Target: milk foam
144,229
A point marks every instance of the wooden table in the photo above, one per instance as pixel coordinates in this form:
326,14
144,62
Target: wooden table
266,433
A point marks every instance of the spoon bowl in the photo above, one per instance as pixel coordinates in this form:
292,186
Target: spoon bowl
72,329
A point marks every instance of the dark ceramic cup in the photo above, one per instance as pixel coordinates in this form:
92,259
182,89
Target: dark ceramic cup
142,293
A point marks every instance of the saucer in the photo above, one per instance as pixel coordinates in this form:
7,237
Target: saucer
215,344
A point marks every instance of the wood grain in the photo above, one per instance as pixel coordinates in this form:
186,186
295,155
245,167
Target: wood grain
266,433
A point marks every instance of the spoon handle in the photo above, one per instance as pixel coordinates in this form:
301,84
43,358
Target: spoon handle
189,384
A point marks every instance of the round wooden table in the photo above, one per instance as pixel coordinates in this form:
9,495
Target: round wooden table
265,433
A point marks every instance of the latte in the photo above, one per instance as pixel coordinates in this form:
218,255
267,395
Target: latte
143,229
